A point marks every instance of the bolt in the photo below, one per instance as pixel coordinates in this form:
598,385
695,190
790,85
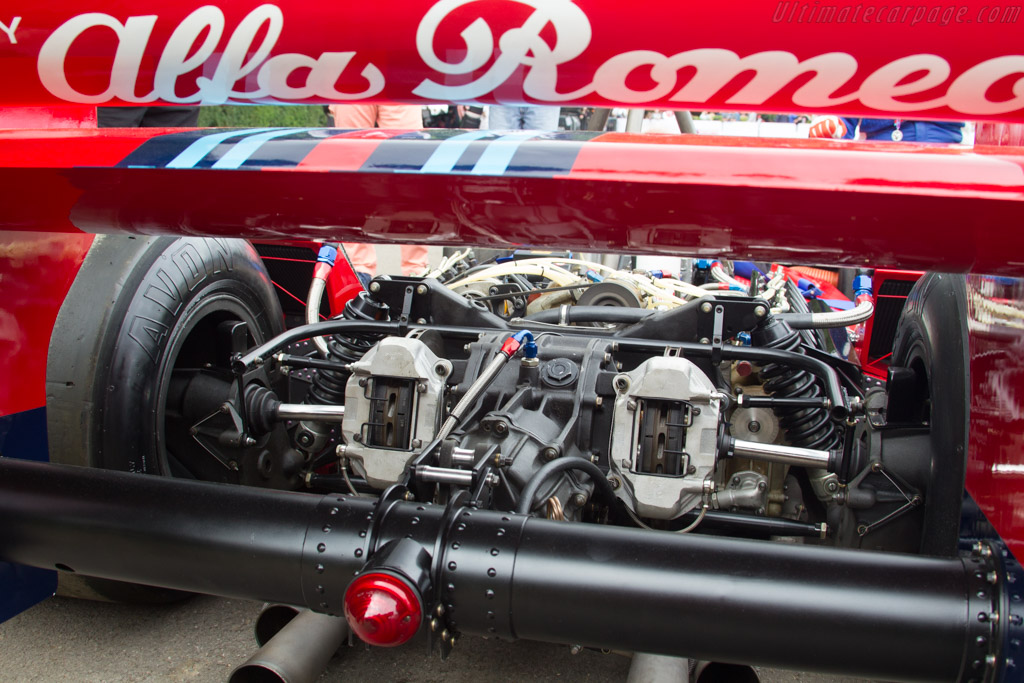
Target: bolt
501,428
992,577
408,495
416,443
761,486
233,466
439,611
305,439
492,479
422,289
862,530
754,426
440,370
374,287
831,486
466,348
358,438
607,358
362,381
575,649
434,624
550,453
705,308
598,402
421,321
916,501
421,387
735,481
876,466
445,635
625,463
692,469
705,340
760,512
579,500
621,384
249,441
614,481
225,407
760,311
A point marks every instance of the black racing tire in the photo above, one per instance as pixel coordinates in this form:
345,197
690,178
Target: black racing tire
931,342
137,305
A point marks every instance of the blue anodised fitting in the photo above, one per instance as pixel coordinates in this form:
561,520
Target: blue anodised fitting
743,338
862,285
530,349
703,263
808,288
594,276
327,255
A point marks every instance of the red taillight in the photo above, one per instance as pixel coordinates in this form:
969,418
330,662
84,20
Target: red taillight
382,609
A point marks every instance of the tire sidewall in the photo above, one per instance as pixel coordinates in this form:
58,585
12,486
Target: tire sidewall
190,279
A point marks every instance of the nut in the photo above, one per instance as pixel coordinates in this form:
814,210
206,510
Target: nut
422,289
374,287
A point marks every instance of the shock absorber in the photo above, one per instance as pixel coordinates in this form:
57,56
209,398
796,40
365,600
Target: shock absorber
329,385
805,427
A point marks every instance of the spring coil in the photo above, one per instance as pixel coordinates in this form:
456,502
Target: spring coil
806,427
328,387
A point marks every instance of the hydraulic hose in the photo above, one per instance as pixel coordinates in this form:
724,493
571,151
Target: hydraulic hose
819,321
561,465
316,292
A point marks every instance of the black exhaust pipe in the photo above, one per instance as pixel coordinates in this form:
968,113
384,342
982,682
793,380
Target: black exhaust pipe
878,615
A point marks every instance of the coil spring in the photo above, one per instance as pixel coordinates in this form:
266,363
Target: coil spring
806,427
329,385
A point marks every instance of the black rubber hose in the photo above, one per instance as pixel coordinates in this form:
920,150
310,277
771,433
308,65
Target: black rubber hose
561,465
591,314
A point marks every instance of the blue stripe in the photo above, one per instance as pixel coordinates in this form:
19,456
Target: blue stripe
195,152
498,155
449,152
240,153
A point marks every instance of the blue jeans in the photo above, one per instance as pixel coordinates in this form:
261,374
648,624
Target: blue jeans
523,118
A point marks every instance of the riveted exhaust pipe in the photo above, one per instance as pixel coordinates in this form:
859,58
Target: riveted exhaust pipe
501,574
298,653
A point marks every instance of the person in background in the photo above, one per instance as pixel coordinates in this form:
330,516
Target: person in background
887,129
147,117
364,256
523,118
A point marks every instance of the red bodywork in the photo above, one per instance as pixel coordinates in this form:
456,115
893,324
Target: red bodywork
909,206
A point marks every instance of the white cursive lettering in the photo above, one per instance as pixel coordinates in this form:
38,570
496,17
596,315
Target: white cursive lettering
192,45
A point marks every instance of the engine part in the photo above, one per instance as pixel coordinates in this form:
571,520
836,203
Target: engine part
808,427
745,490
882,615
393,407
346,347
664,436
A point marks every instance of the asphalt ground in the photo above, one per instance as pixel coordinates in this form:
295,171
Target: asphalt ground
202,639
